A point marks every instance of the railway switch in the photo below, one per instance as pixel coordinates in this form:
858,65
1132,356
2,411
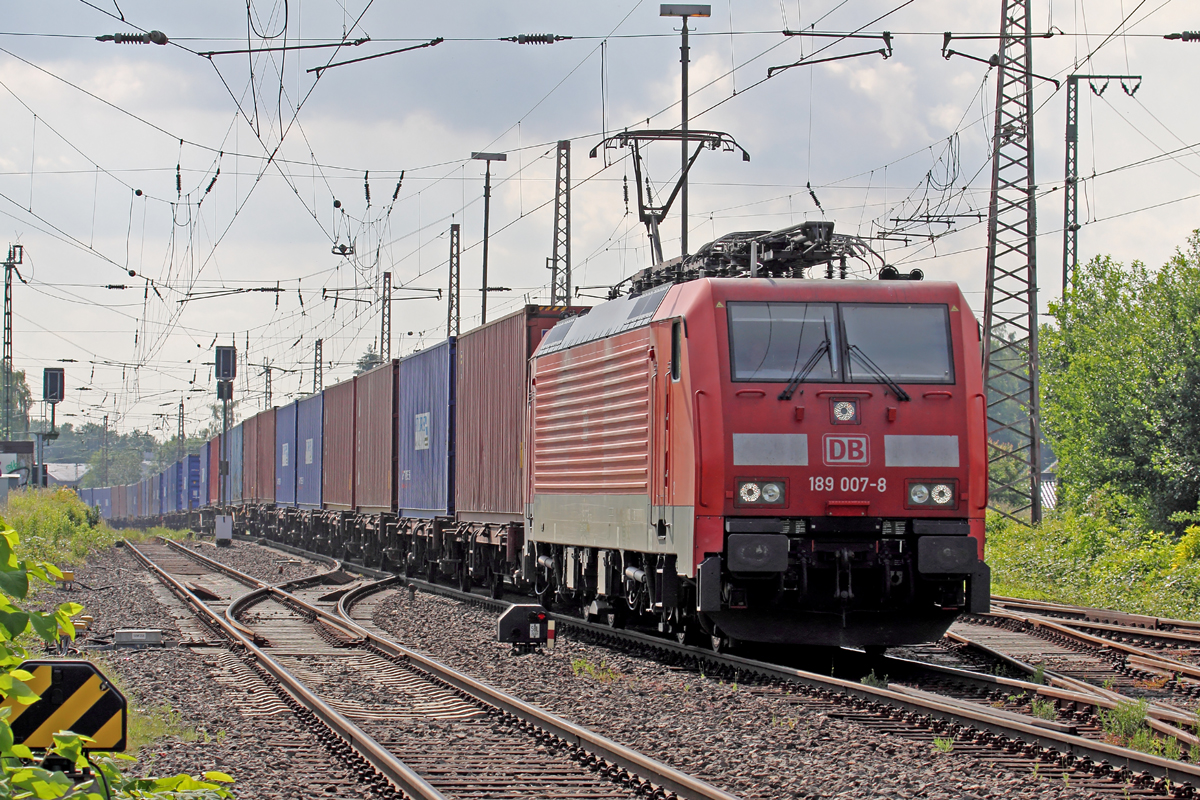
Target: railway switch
524,626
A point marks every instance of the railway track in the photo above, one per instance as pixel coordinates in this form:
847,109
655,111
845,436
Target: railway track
402,722
987,716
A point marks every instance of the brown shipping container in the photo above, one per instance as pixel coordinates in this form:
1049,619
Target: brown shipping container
375,440
264,484
249,460
491,390
337,447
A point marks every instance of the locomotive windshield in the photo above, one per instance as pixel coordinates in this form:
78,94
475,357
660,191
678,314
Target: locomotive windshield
774,341
909,343
786,341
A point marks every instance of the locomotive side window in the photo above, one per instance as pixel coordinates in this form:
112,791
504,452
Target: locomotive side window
676,348
908,343
775,341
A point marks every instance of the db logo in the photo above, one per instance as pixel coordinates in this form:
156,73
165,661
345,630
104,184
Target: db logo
845,451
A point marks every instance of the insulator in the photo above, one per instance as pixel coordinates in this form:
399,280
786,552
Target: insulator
213,182
367,186
536,38
153,37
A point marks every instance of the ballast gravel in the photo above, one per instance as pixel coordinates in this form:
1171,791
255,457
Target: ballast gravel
754,741
213,717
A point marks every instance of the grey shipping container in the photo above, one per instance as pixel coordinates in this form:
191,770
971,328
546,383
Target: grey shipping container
425,433
285,455
310,424
337,447
375,440
491,387
233,494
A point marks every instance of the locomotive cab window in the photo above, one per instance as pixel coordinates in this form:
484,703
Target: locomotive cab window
907,343
776,341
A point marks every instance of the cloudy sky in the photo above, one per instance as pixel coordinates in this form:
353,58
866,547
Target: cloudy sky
214,177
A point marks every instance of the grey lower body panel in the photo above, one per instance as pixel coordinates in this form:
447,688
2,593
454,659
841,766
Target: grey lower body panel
614,522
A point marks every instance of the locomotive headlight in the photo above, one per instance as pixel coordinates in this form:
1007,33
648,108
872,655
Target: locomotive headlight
772,493
918,493
749,492
942,494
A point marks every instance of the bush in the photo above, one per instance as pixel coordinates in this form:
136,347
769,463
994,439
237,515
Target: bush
56,515
1105,555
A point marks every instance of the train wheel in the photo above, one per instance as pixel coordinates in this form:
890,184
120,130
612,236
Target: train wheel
614,618
721,643
690,634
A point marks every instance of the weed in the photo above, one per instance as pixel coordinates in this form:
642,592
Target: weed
1123,722
874,681
1042,709
734,685
943,744
1066,781
1037,770
1157,683
600,674
1039,674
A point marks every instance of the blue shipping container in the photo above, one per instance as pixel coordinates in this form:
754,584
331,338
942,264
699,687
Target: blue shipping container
310,416
87,495
425,433
285,455
103,499
233,483
205,450
191,477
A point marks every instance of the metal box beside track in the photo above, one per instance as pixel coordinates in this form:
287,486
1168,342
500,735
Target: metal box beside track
285,455
337,490
309,453
425,433
375,440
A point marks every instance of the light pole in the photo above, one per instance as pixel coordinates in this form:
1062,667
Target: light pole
487,158
684,11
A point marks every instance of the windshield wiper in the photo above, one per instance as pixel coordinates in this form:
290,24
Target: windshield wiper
855,350
809,366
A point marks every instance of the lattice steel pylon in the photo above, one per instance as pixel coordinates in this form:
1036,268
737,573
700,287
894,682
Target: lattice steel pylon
560,254
1010,350
452,304
318,376
385,320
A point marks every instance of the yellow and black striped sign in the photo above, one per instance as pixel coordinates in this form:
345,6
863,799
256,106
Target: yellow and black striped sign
75,697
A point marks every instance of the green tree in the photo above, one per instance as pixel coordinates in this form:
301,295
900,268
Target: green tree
1121,383
22,401
368,360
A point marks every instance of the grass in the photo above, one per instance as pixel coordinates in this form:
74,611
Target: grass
1043,709
943,744
601,673
874,681
147,724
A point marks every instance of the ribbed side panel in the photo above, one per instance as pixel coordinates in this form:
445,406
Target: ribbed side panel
233,492
375,440
264,485
310,422
490,411
591,418
285,455
338,447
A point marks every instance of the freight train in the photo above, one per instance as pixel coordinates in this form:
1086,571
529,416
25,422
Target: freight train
726,450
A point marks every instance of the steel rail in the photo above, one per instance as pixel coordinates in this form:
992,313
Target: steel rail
1129,620
666,777
392,768
947,711
659,773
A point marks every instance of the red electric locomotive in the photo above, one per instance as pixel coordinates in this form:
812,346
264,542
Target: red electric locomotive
763,457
